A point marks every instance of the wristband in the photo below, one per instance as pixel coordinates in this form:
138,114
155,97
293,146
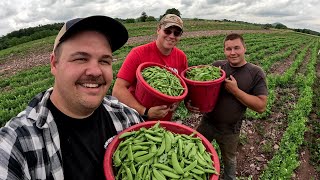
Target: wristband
145,114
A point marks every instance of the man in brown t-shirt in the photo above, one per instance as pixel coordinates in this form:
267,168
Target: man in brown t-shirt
245,86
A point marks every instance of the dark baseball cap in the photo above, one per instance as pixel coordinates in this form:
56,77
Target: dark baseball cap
115,32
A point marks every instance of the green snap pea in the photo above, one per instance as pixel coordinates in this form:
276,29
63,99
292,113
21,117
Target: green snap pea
203,73
161,154
163,80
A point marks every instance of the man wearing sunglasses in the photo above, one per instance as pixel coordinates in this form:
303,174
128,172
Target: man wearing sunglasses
163,51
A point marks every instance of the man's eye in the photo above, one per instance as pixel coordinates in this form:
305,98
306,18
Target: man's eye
106,61
80,59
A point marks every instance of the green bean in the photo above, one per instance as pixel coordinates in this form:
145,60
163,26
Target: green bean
163,80
203,73
159,153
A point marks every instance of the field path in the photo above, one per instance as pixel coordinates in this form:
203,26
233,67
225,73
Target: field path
13,63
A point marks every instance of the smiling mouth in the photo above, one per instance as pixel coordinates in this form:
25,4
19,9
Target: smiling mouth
87,85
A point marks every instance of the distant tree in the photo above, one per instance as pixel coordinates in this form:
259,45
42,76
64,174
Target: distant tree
171,11
120,20
151,18
130,20
280,26
143,17
267,26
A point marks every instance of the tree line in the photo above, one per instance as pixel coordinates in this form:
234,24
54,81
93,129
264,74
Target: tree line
33,33
29,34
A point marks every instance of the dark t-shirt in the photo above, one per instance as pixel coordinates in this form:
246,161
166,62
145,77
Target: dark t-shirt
82,142
227,115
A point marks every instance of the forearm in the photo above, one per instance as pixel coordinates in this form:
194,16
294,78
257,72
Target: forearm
125,96
256,103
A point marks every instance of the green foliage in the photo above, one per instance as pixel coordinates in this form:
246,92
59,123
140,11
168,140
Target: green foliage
151,18
280,26
262,49
285,161
307,31
143,17
171,11
267,26
130,20
29,34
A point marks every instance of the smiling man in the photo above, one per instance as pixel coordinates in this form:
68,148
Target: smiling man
244,88
63,131
163,51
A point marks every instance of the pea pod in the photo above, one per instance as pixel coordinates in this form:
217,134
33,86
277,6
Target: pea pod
203,73
163,80
175,163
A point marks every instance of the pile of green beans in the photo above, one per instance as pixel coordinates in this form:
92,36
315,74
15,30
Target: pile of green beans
157,153
162,80
203,73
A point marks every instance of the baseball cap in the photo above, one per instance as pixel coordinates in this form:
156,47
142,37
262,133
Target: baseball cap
116,33
171,20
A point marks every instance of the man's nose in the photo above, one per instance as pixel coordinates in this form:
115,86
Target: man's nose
94,69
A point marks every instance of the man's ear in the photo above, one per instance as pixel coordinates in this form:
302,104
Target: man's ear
53,63
158,29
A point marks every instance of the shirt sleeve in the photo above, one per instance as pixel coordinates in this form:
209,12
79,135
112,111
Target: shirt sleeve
129,67
260,87
10,167
122,115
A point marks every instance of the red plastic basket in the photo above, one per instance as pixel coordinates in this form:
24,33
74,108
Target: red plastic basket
203,94
149,97
170,126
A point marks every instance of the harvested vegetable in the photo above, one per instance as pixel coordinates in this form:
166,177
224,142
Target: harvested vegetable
162,80
161,154
203,73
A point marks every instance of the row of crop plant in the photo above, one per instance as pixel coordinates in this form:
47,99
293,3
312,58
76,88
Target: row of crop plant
285,161
199,50
273,80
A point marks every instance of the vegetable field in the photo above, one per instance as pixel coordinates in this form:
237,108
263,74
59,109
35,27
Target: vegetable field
281,143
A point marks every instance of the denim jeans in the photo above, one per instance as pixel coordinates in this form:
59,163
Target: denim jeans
228,144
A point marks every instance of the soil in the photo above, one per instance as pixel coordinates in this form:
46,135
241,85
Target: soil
259,138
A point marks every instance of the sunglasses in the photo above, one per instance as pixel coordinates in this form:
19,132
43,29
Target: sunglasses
175,33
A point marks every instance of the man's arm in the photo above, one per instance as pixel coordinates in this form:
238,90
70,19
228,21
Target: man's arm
256,103
121,91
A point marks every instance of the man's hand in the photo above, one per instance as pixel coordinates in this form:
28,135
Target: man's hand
231,85
192,108
174,106
158,112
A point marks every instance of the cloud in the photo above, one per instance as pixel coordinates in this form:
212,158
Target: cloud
17,14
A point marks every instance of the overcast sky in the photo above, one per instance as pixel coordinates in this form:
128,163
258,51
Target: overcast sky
17,14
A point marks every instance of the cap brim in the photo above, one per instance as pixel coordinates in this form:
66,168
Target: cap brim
113,29
172,24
